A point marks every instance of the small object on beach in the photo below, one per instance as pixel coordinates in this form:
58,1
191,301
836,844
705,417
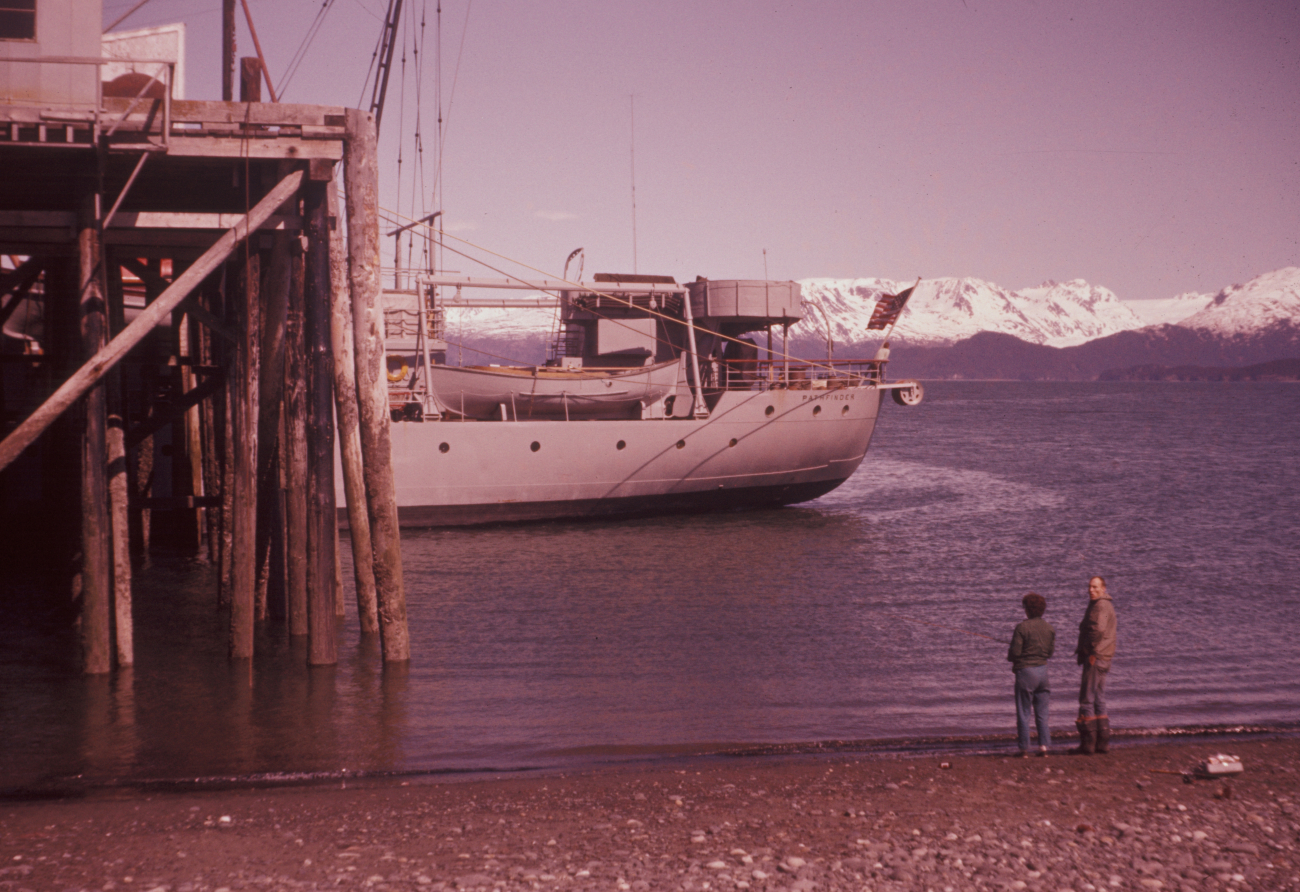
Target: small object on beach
1084,828
1224,792
945,764
1219,765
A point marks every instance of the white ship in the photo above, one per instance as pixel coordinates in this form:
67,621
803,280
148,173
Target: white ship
657,398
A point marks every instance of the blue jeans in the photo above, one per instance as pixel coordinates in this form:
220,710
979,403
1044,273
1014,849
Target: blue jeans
1092,691
1032,695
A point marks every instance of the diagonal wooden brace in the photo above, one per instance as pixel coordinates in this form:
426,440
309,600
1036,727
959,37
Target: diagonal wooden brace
99,365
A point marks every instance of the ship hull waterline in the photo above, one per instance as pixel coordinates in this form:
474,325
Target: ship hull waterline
756,449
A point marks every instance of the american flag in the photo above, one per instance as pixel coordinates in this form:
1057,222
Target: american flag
888,308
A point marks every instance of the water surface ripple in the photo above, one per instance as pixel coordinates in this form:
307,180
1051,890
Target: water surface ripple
854,618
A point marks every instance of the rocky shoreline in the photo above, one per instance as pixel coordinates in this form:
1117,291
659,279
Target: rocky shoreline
1129,820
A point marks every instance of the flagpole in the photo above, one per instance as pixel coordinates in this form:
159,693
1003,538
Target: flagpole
882,353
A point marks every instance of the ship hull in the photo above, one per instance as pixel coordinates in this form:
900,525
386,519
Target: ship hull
757,448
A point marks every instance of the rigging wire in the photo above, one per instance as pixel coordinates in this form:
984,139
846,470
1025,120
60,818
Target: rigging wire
124,16
308,38
451,99
774,355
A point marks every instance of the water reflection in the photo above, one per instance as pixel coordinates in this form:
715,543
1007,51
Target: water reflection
536,643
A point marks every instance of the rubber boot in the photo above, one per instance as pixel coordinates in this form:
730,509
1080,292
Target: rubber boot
1087,736
1103,734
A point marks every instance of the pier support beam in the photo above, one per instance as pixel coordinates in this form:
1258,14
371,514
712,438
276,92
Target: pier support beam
295,452
119,483
93,371
349,431
96,559
361,182
243,394
275,304
322,519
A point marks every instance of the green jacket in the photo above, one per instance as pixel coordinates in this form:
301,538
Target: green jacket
1032,644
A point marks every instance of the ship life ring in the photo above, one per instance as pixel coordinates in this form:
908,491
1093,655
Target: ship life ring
399,375
909,396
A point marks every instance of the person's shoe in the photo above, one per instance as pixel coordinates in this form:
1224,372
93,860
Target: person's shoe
1103,734
1042,751
1024,754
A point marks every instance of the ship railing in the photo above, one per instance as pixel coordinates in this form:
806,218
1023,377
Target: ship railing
776,374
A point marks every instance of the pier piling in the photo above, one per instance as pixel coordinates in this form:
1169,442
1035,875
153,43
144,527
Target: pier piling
198,345
361,184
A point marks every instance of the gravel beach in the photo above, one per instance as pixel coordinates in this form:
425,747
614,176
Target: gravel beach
1125,821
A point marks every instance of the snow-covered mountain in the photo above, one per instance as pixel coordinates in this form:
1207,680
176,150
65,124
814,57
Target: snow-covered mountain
944,311
948,310
1170,310
1264,304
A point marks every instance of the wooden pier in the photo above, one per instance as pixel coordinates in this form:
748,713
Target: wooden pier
192,321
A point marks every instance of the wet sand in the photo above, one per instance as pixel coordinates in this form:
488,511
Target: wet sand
1126,820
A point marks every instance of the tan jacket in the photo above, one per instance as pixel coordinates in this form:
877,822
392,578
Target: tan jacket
1097,633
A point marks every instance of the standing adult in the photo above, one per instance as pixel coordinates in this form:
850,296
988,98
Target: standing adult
1095,651
1032,645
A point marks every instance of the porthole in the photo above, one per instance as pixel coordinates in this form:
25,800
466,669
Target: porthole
444,448
733,442
844,411
681,444
769,410
621,445
817,410
535,446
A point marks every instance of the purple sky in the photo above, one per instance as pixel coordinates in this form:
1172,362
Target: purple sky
1152,147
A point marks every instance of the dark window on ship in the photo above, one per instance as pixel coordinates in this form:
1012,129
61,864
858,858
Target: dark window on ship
17,19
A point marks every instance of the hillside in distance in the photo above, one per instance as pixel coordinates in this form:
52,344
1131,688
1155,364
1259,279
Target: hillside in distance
947,310
1243,325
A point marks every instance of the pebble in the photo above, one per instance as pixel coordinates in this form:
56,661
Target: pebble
973,834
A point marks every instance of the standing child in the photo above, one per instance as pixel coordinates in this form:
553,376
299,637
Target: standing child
1032,645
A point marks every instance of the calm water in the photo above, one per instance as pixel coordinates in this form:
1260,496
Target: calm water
854,618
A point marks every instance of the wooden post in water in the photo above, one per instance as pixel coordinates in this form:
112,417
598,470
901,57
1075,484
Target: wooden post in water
119,483
211,410
349,431
361,182
322,519
275,305
244,394
96,570
295,451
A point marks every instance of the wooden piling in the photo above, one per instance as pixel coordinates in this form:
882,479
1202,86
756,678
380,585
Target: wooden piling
295,452
192,426
119,484
96,562
361,183
322,519
244,408
212,409
275,306
349,431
